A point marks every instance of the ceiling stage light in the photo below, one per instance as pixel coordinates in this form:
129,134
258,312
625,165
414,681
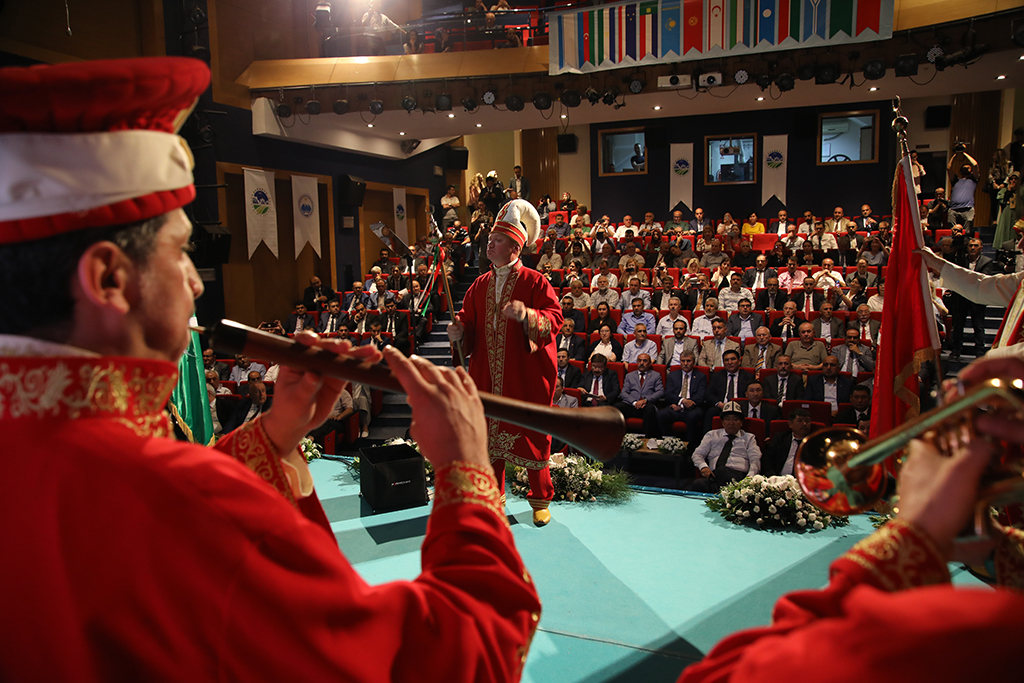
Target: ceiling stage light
408,103
571,98
826,74
636,86
874,69
490,97
592,95
284,110
443,102
341,106
376,107
514,103
741,76
906,65
785,82
469,104
542,101
610,96
313,107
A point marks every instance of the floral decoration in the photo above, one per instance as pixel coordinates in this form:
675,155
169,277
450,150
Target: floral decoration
771,503
575,478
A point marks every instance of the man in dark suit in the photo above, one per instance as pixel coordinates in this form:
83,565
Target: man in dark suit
826,326
684,395
570,375
383,261
376,337
744,322
599,385
757,277
963,308
332,319
829,385
780,454
660,298
867,329
210,362
316,297
641,390
727,384
784,385
699,221
570,313
300,320
860,407
566,340
249,407
788,326
357,295
757,408
800,298
395,323
520,184
771,298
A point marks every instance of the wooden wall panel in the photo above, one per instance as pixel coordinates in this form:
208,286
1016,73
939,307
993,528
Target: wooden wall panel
540,162
975,120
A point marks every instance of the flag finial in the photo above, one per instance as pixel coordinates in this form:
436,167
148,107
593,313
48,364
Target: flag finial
899,124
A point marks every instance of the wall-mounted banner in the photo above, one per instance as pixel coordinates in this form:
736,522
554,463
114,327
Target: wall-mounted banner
774,166
260,209
306,209
401,224
666,31
681,170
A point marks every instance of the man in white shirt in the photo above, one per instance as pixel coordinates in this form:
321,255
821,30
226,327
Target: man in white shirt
822,240
827,277
703,325
784,222
639,346
726,454
604,270
580,299
729,298
649,224
807,224
627,224
792,240
666,324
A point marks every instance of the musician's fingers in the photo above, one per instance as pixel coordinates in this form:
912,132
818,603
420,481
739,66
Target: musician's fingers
989,368
407,372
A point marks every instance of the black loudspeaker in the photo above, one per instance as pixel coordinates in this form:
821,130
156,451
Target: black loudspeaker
392,477
566,144
656,137
458,158
938,117
351,190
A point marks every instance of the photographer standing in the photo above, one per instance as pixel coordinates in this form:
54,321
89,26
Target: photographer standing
963,180
938,211
1011,199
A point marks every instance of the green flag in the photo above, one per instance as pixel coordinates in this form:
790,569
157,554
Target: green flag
189,400
841,19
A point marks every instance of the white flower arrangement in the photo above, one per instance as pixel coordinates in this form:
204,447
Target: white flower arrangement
575,478
672,444
771,503
310,449
633,442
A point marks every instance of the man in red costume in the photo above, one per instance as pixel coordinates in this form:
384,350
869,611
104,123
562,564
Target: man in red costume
131,556
889,612
507,326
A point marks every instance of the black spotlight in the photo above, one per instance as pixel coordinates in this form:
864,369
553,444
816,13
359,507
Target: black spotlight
636,86
408,103
514,103
610,96
205,132
805,72
341,107
764,81
443,102
592,95
469,103
826,73
874,69
313,107
571,98
284,111
196,14
376,107
542,101
906,65
785,81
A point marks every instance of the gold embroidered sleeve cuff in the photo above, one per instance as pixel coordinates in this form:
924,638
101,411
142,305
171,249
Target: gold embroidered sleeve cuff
537,327
462,482
897,557
250,445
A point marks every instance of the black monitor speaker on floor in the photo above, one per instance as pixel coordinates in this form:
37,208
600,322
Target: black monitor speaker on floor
351,190
566,144
392,477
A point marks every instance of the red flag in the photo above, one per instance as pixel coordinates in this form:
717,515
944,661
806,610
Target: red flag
869,15
908,335
693,25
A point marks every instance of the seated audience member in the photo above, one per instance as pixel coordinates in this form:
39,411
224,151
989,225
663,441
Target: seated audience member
649,224
874,253
272,328
604,317
780,454
753,225
570,313
867,329
808,256
772,298
599,385
549,257
357,296
877,301
213,381
778,256
727,454
634,270
560,226
606,345
580,219
629,252
745,257
726,384
601,238
792,240
604,293
211,396
713,257
569,342
659,255
641,390
243,365
561,399
860,407
720,275
300,320
634,292
838,222
757,276
396,323
698,224
376,337
580,299
762,353
577,254
756,409
694,293
854,357
744,322
672,346
829,386
807,223
316,297
788,326
249,407
357,322
784,385
661,299
784,222
569,374
685,394
793,276
343,409
668,321
712,350
380,293
728,224
210,362
850,245
827,326
827,276
807,299
870,279
730,297
636,316
806,352
703,325
640,345
676,222
821,240
331,319
682,254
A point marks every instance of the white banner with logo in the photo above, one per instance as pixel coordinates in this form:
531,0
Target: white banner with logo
306,209
774,165
681,184
401,226
260,209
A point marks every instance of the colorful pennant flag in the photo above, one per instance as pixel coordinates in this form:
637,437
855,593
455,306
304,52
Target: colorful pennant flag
716,24
671,31
629,32
649,29
814,18
841,17
693,33
766,22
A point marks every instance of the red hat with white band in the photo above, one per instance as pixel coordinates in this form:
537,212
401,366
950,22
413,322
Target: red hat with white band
94,144
519,220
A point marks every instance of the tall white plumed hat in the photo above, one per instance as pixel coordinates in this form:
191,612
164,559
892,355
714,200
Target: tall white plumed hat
519,220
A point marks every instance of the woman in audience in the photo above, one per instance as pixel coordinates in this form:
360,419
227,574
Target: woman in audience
636,264
544,207
727,224
876,302
857,294
414,44
692,272
732,239
568,203
778,256
606,345
512,37
753,225
574,271
476,186
874,253
1011,199
808,257
720,275
997,174
704,241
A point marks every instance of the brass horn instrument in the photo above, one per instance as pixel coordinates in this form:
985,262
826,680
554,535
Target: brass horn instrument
842,472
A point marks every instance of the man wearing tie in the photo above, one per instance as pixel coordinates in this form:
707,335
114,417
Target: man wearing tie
250,407
685,395
727,384
567,341
867,329
713,350
641,390
827,326
854,358
860,407
676,344
727,454
743,323
807,300
599,385
788,325
757,277
780,454
761,355
569,374
756,407
783,385
829,386
330,320
771,298
964,307
396,324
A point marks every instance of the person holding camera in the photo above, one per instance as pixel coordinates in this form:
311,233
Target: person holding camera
938,210
963,181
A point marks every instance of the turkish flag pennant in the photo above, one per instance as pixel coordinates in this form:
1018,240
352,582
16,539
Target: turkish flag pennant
908,335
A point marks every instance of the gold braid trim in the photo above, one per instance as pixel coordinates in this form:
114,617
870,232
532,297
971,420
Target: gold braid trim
463,482
537,328
900,556
1009,557
250,445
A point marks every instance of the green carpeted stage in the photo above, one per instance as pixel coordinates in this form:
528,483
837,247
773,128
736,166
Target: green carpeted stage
631,592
